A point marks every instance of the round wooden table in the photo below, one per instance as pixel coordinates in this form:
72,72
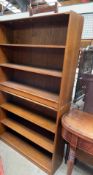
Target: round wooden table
77,130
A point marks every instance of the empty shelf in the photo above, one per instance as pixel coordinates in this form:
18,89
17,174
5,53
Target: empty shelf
30,116
53,73
34,46
29,100
35,155
30,134
41,96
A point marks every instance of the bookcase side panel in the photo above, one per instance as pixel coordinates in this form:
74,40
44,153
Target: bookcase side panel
71,57
69,66
58,142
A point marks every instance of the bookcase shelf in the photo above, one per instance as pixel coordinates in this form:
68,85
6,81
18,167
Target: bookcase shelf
53,73
34,46
37,119
29,134
47,98
38,58
35,155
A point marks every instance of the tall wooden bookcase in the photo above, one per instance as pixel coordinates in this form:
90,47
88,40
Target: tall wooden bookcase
38,58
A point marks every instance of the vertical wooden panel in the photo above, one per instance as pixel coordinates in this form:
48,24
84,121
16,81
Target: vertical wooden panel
71,57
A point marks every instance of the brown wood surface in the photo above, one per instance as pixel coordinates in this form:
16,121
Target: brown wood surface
77,130
29,134
29,100
34,46
44,58
45,44
84,157
31,93
33,69
59,17
37,119
36,156
71,57
79,123
58,142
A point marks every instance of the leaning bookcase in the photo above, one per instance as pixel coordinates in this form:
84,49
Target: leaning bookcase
38,58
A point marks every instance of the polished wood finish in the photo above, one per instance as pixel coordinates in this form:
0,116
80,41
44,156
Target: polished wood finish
34,94
37,59
84,157
29,134
71,52
37,119
33,69
78,132
33,46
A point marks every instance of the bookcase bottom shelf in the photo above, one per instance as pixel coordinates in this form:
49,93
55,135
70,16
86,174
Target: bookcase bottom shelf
35,155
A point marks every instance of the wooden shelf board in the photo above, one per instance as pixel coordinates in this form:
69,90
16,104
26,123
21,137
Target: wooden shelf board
30,152
36,18
34,46
29,100
44,97
30,116
30,134
53,73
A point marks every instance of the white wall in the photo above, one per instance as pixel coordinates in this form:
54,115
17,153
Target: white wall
88,26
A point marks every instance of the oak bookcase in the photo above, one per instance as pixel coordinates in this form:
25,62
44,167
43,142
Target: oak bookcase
38,58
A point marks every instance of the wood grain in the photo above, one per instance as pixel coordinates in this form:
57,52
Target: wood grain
77,130
33,154
38,60
31,93
33,69
34,46
30,116
29,134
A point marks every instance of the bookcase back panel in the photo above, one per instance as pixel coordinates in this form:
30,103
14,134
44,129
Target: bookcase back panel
36,57
50,33
47,83
41,34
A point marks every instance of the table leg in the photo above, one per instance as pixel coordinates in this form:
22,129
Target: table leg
71,160
67,152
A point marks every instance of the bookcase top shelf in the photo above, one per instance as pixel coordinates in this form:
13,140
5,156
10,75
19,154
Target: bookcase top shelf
35,18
